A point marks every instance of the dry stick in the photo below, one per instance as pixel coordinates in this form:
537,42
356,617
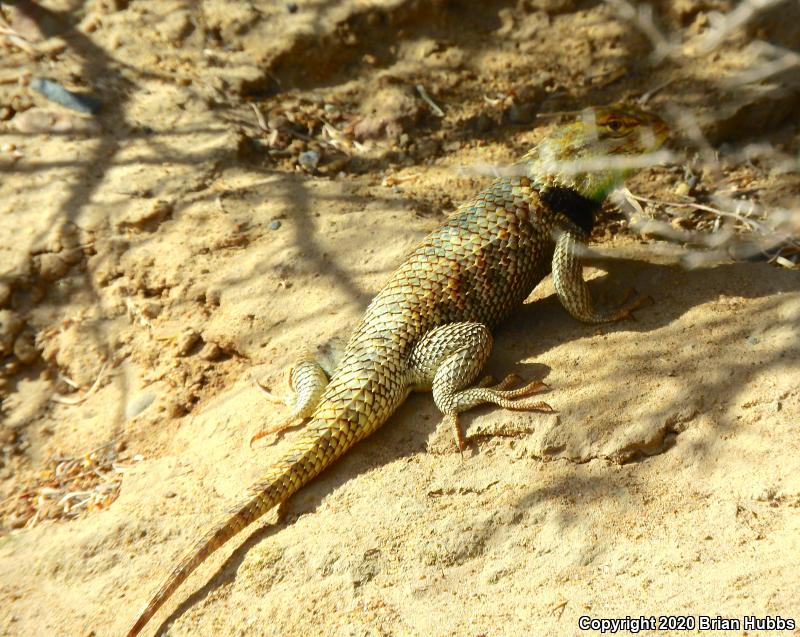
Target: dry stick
58,398
786,60
687,122
649,94
721,242
262,123
723,25
429,101
642,17
698,206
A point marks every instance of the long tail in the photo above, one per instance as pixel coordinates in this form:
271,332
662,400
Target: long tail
239,517
321,445
343,418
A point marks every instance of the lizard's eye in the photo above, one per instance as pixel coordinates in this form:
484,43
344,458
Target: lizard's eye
614,126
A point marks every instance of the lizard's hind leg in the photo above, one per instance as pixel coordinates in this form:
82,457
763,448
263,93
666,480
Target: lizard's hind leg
449,359
307,382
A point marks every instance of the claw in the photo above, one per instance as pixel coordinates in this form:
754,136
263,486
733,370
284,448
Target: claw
531,388
508,381
277,429
626,313
454,423
522,405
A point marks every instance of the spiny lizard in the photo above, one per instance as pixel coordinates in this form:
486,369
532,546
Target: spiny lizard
428,329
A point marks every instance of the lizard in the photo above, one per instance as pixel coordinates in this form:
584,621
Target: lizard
429,328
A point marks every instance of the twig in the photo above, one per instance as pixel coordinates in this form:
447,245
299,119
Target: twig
649,94
688,124
722,26
262,123
58,398
642,17
698,206
429,101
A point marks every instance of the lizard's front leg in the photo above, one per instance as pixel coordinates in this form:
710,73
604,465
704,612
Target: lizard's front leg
449,358
573,291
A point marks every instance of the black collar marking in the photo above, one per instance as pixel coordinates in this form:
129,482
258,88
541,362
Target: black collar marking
573,205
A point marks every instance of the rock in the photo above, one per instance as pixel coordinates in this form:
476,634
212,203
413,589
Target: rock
24,19
41,120
175,26
211,352
5,293
389,112
186,341
54,92
309,160
139,404
151,308
10,325
147,216
523,113
25,348
51,266
72,255
751,114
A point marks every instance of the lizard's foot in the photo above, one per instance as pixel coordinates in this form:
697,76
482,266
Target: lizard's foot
508,382
450,357
627,308
501,390
307,382
514,399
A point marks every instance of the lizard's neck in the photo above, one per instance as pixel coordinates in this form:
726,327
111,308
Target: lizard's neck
573,205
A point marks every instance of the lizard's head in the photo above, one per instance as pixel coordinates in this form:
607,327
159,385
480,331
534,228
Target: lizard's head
596,152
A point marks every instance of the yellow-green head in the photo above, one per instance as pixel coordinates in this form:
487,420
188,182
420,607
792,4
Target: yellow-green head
598,151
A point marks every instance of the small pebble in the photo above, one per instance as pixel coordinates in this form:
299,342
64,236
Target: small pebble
292,7
176,409
139,404
25,348
151,309
51,266
40,120
274,224
186,341
10,325
309,159
211,352
56,93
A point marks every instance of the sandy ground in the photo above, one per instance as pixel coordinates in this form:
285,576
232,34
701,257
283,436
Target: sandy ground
177,249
